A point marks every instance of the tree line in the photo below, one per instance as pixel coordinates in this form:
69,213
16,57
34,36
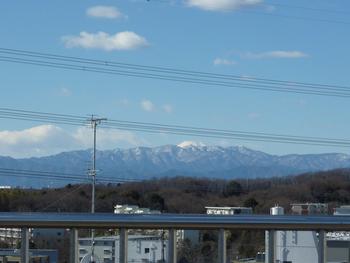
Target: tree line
191,195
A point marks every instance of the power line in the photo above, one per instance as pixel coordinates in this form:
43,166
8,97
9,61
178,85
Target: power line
57,176
322,20
170,74
179,130
309,8
164,69
305,18
61,198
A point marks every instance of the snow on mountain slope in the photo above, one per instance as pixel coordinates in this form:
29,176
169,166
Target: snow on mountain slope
188,158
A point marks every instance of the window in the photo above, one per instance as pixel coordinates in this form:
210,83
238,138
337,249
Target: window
146,250
82,251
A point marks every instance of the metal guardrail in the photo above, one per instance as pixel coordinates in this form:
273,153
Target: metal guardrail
170,222
177,221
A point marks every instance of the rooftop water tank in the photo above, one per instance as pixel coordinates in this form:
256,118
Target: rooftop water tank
277,210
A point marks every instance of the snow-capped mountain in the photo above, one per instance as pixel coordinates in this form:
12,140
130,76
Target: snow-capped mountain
187,158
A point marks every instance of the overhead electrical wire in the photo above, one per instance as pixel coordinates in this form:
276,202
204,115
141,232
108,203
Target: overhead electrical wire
170,74
164,69
57,176
75,120
267,4
62,196
178,79
273,3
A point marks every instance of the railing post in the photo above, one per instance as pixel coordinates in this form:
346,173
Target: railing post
123,245
271,235
172,257
321,246
222,246
74,254
271,243
25,245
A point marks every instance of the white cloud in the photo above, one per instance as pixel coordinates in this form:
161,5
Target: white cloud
168,108
106,139
126,40
254,115
49,139
36,141
302,102
222,5
147,105
123,102
101,11
65,92
270,8
223,61
276,54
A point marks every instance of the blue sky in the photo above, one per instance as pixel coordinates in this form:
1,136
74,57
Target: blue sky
253,38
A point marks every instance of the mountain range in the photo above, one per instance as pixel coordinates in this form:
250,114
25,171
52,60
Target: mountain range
185,159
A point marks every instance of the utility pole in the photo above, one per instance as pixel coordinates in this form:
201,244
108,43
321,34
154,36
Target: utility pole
94,122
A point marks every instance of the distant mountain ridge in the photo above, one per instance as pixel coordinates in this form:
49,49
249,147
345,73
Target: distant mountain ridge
187,159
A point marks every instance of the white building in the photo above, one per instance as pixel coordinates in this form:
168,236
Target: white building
297,246
133,209
145,249
10,235
227,210
343,210
309,209
338,243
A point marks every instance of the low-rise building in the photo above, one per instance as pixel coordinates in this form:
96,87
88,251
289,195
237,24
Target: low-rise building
305,246
35,256
297,246
343,210
141,248
133,209
10,235
309,209
227,210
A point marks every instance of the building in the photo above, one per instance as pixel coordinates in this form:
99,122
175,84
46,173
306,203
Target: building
141,248
49,237
211,210
297,246
343,210
36,256
309,209
133,209
194,236
10,235
338,243
304,246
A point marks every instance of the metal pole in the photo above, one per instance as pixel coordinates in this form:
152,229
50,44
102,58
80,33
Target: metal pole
123,245
222,246
271,243
321,246
74,255
172,257
163,247
25,245
93,174
94,123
